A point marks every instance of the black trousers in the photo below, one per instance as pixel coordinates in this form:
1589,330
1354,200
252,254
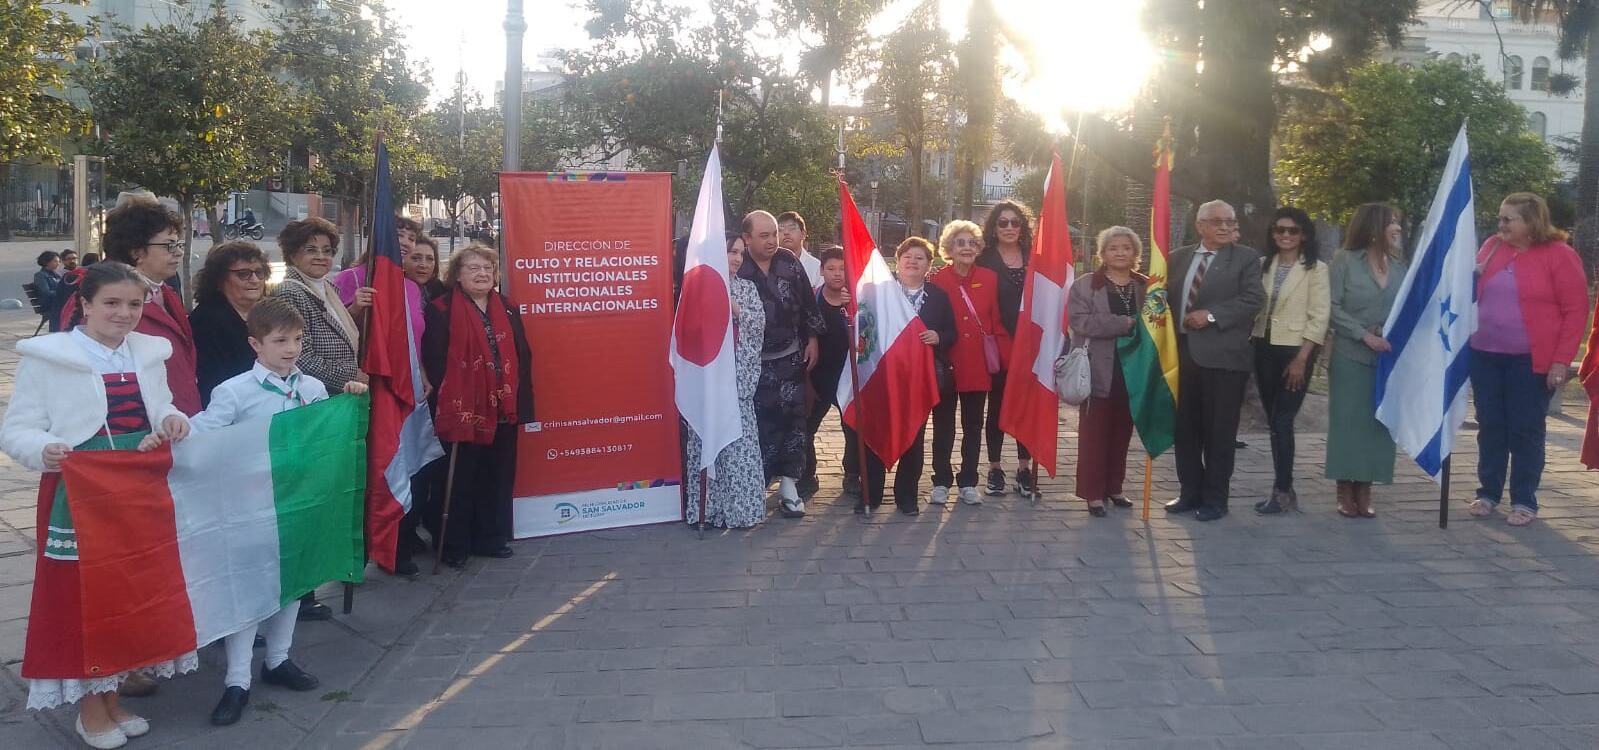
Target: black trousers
852,453
1282,405
813,423
996,436
480,505
1209,403
427,491
971,408
907,474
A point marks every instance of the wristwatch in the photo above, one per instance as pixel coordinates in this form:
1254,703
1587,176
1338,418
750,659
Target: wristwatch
1210,318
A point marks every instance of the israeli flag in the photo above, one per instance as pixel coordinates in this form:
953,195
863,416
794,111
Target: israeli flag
1421,383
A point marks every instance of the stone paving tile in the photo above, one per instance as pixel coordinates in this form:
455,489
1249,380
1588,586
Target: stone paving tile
1008,625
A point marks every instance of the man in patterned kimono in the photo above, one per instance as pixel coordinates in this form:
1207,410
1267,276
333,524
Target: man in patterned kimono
790,349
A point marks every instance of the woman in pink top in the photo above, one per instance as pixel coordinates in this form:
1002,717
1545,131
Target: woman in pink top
1532,307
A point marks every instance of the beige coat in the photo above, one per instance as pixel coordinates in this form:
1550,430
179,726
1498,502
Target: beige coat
1301,311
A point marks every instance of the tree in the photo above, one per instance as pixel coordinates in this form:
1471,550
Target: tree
1386,137
191,110
38,43
647,88
352,67
913,71
841,25
465,141
1227,62
977,87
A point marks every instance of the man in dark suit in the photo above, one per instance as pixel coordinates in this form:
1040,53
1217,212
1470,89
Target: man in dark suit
1216,293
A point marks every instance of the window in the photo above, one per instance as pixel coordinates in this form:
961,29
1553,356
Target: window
1538,123
1512,72
1540,74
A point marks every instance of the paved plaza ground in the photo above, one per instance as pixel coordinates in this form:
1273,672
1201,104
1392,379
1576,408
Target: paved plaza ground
1005,625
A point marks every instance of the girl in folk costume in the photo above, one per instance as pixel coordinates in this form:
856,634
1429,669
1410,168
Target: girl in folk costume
474,349
99,387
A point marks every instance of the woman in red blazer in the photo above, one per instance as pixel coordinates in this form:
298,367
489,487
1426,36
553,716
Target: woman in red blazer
146,235
974,293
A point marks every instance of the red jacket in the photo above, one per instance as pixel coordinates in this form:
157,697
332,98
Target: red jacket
982,286
173,327
1554,297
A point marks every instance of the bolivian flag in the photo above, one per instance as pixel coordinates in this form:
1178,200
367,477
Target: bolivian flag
1149,355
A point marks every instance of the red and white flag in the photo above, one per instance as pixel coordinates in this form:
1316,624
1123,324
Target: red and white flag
702,335
1031,411
898,386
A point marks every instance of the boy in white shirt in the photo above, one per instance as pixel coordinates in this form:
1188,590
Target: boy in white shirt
273,385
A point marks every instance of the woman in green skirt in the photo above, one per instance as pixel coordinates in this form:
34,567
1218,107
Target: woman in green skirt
1365,281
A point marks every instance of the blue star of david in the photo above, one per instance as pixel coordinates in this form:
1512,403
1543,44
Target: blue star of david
1447,320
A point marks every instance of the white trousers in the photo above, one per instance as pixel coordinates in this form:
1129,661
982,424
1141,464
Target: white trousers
279,633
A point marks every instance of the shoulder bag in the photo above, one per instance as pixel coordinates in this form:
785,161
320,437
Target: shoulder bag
990,343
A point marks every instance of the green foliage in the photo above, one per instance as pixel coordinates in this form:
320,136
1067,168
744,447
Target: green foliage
841,27
1387,138
358,81
913,80
191,111
36,43
465,142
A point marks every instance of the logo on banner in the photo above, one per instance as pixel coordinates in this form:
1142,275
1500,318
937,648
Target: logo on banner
565,512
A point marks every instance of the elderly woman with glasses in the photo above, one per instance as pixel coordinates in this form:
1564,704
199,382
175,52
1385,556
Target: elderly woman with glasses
232,281
148,236
477,355
331,337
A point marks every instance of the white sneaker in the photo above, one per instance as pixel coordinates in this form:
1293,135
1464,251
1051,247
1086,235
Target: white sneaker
110,739
939,497
134,726
970,497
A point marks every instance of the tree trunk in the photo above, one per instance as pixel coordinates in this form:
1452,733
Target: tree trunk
5,201
914,219
185,269
349,217
1237,114
1587,236
212,224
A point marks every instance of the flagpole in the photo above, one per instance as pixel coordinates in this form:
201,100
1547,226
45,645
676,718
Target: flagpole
705,485
861,470
444,521
1443,496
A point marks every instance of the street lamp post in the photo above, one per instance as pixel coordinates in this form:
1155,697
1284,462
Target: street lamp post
511,100
877,218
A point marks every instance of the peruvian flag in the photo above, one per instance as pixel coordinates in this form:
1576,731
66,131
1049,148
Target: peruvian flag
400,436
702,335
898,387
1031,407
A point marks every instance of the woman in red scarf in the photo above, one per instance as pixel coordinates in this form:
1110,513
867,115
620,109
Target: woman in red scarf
474,348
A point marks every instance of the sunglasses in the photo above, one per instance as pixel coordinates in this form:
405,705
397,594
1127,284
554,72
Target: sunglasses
1008,223
245,274
1290,231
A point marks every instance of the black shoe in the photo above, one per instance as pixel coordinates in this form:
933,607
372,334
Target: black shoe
1208,513
1097,511
454,560
996,482
1120,501
501,552
406,567
289,675
911,511
807,486
1181,505
860,509
1026,483
1240,445
312,610
260,642
852,486
231,707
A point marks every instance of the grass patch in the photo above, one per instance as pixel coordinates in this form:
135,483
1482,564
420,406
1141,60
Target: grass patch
337,696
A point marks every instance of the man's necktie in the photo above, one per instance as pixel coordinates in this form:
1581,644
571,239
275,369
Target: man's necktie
1199,280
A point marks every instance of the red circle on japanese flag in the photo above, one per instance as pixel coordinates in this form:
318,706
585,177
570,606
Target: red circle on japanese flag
703,315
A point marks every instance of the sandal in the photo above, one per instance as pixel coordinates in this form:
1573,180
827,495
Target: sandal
1480,508
1521,516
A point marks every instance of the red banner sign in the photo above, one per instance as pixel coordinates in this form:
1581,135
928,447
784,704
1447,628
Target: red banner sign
589,259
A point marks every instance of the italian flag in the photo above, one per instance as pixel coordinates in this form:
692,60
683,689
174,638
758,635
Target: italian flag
1149,354
183,545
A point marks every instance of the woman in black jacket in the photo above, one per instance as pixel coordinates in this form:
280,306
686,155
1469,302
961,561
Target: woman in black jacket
913,259
232,281
476,354
1007,244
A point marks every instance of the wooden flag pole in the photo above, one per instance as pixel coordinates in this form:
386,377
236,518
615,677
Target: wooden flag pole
1149,465
1443,497
862,471
444,521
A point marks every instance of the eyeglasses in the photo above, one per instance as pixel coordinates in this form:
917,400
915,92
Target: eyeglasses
1290,231
173,247
965,242
1008,223
314,250
245,274
1221,222
476,268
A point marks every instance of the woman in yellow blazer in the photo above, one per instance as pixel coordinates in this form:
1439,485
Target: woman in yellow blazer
1289,329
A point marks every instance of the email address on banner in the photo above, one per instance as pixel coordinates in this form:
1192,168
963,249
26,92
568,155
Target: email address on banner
619,419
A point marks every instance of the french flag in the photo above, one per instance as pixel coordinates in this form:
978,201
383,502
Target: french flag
898,387
1031,410
702,335
400,437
